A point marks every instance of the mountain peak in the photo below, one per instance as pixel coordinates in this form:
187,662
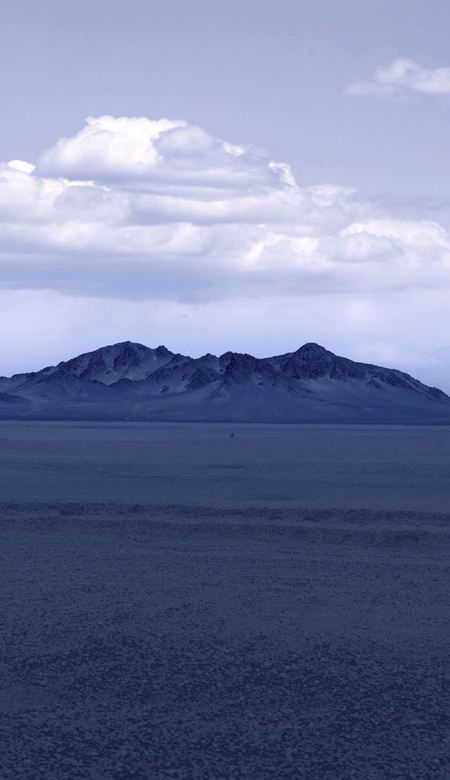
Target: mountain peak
162,351
311,348
128,380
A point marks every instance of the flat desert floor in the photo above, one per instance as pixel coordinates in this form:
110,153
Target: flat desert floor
178,602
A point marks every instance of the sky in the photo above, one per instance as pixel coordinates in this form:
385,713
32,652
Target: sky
224,175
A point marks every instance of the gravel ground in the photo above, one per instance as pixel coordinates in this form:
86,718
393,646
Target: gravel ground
223,643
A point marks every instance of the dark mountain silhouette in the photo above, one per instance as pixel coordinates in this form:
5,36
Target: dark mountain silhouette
129,381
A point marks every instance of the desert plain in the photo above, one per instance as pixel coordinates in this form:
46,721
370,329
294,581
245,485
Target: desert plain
224,602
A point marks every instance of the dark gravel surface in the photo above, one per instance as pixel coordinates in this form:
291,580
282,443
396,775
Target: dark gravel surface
165,642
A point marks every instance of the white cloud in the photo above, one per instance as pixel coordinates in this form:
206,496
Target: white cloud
402,77
107,148
158,232
157,154
139,209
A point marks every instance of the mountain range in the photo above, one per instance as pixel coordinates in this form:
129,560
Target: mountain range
128,381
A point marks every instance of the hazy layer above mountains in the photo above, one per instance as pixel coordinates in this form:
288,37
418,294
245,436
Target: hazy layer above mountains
128,381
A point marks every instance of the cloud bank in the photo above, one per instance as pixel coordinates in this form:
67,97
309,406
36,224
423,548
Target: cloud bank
145,209
156,231
400,78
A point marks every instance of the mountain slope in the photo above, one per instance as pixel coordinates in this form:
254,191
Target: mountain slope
129,381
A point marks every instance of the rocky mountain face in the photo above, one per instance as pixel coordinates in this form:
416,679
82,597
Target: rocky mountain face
130,381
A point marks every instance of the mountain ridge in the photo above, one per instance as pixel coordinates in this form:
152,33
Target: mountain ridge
130,381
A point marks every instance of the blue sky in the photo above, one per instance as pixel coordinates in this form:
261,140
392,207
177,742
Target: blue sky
297,192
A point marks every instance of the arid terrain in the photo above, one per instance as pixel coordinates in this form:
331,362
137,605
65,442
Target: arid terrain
178,602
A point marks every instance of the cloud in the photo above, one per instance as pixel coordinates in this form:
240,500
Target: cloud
158,153
140,209
400,78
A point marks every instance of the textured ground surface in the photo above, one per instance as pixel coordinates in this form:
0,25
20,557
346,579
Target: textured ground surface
231,641
340,466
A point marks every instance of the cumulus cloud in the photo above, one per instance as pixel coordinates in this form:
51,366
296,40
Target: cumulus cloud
164,152
402,77
145,209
